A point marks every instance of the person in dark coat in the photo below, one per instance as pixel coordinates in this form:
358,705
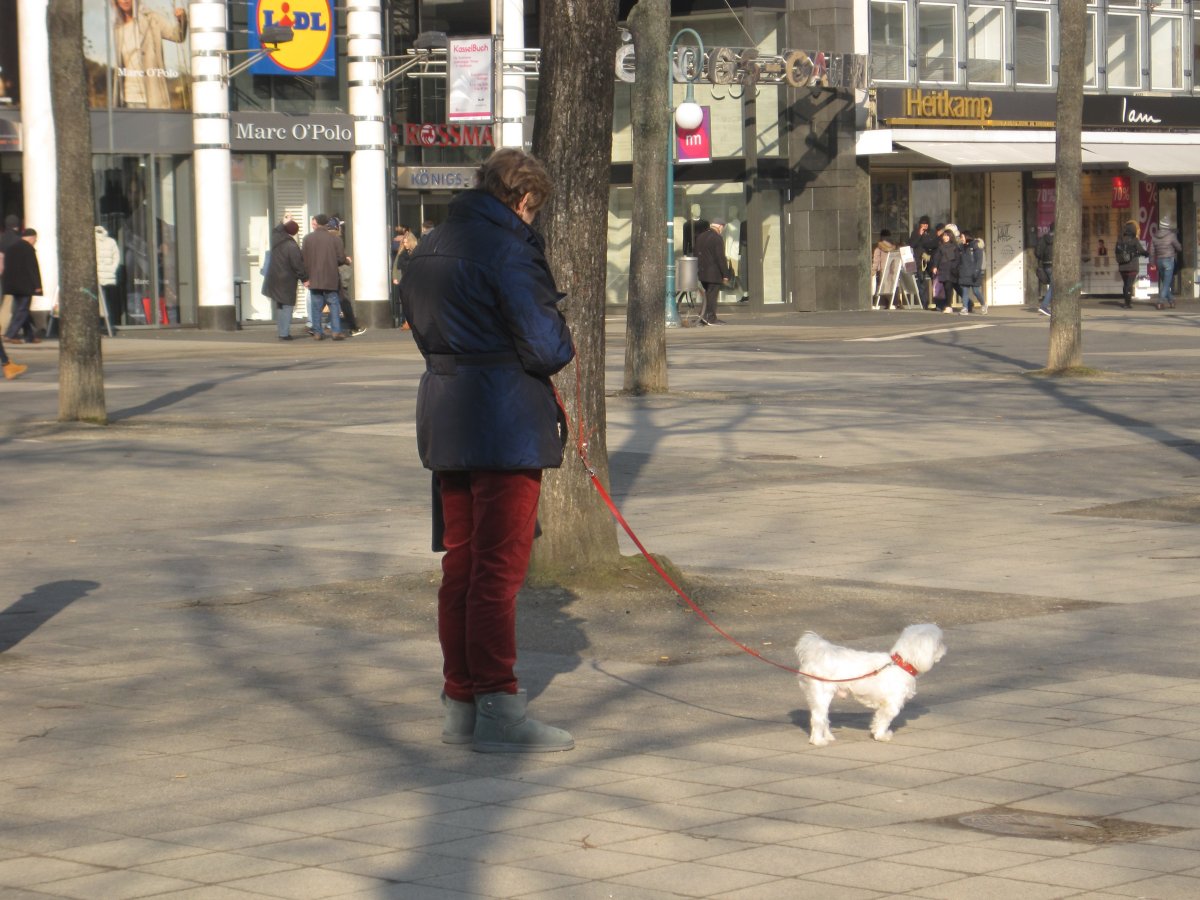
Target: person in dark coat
970,274
284,272
944,268
713,269
22,279
923,243
1044,254
323,254
483,308
1127,251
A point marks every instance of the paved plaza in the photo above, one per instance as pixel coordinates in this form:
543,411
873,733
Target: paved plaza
152,746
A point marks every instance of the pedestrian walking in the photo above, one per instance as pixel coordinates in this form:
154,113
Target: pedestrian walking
1164,250
408,243
713,269
285,270
1044,253
11,369
944,266
23,280
1127,251
484,312
923,243
970,273
323,253
879,255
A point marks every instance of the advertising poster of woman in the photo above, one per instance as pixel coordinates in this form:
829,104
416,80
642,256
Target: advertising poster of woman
137,54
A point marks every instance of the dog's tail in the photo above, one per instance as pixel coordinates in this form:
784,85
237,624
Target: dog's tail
809,645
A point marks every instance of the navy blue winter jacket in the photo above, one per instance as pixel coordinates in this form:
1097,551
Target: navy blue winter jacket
483,308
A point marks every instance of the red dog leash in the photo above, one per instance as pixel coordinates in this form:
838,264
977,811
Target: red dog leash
581,451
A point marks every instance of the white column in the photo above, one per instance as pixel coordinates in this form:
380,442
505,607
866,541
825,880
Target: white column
509,24
39,173
210,133
368,167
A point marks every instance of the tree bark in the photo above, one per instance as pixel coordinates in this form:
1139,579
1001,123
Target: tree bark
1066,331
573,138
646,322
80,367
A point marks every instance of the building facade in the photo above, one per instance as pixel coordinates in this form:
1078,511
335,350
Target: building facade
960,124
828,121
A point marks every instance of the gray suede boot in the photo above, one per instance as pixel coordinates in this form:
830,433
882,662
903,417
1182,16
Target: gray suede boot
459,725
501,727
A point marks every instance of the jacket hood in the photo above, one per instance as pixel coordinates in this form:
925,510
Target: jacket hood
477,204
102,231
1130,230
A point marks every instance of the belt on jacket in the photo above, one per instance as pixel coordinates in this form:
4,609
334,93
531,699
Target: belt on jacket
448,363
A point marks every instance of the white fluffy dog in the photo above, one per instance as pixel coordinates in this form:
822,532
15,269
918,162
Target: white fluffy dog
886,691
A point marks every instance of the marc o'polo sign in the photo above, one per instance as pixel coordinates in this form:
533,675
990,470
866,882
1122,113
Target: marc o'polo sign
279,132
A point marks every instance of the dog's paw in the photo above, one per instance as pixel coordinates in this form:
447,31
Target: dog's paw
820,741
882,736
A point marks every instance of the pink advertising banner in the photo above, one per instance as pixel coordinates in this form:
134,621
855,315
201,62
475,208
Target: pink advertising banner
694,146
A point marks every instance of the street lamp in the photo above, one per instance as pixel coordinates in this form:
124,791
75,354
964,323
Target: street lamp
686,117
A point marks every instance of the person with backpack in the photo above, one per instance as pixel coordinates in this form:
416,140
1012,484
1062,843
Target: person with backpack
1045,266
944,266
1165,248
1127,251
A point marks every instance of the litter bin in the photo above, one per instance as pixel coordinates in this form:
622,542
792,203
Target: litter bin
687,273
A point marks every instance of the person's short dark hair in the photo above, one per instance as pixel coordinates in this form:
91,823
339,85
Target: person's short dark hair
321,219
29,232
884,232
924,220
939,226
509,174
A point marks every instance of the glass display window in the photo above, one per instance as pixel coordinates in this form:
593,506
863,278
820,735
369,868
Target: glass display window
10,68
1032,57
889,40
937,47
1122,56
144,208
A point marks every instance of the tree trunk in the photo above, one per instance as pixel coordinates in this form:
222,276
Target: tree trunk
80,368
646,322
573,138
1066,332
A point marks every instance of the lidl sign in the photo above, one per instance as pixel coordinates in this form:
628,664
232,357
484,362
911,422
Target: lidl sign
312,50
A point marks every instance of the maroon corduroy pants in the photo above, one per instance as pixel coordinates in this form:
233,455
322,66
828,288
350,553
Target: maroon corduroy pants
489,524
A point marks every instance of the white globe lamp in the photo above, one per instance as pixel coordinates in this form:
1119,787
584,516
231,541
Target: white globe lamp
689,116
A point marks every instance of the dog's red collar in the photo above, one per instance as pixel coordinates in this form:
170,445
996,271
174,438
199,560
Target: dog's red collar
906,666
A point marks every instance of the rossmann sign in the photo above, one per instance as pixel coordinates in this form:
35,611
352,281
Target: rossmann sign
427,134
311,51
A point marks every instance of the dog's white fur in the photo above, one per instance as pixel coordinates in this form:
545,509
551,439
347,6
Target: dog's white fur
920,646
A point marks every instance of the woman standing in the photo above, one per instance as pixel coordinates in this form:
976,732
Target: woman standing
944,266
284,270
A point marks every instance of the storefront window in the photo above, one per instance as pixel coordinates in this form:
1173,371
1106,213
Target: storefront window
144,205
1166,53
265,189
1122,55
1089,51
889,40
937,59
889,204
136,54
985,45
931,196
10,74
1032,33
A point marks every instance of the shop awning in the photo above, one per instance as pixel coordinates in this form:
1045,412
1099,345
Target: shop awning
983,155
1175,161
